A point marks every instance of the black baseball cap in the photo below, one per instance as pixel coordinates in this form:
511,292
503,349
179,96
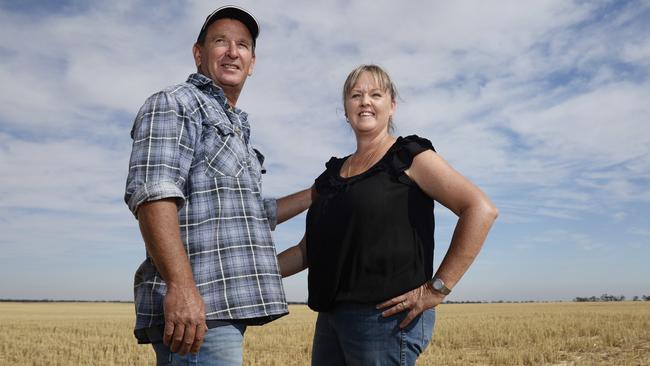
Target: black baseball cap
233,12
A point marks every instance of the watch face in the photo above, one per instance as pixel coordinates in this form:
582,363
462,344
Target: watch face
437,284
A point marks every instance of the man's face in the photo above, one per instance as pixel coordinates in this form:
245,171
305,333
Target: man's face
226,56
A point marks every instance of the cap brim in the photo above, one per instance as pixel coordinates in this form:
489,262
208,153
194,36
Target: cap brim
233,12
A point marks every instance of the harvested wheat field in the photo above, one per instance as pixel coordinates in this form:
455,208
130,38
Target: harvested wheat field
615,333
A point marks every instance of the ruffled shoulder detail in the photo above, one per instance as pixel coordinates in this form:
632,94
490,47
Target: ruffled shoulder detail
405,149
326,180
333,163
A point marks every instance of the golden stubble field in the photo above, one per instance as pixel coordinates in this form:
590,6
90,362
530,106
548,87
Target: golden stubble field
468,334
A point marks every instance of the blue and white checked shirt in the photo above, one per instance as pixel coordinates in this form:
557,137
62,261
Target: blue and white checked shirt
189,144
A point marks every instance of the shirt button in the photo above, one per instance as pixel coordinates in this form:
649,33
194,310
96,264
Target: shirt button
237,129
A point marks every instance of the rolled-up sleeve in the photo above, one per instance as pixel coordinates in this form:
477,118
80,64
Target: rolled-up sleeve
271,208
161,154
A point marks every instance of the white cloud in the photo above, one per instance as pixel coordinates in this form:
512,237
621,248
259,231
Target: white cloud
619,216
66,175
65,64
542,104
639,231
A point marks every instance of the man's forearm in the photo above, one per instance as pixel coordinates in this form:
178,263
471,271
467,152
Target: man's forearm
161,233
294,204
183,306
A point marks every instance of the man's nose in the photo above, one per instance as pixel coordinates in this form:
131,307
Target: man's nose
233,51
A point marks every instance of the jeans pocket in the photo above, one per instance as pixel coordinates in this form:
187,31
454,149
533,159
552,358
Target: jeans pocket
428,325
416,337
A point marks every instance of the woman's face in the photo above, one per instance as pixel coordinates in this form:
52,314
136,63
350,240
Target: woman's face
368,107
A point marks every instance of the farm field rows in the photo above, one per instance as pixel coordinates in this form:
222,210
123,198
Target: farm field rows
614,333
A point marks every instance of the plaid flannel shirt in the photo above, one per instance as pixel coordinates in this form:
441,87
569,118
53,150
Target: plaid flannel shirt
188,144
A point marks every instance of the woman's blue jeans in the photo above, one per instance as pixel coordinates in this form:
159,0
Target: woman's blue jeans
357,334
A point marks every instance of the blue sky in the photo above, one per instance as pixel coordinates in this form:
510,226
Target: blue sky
543,104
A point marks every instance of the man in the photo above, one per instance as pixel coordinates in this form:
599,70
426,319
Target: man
194,184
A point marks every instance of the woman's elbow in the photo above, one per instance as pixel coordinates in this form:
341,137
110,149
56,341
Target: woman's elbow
490,211
482,207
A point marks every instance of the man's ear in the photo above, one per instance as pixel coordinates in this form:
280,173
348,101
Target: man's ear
252,66
196,52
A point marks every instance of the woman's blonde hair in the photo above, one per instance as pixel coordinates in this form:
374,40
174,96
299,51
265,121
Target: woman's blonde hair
381,78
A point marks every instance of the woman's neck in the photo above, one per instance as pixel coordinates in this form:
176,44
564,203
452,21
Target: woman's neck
371,143
369,150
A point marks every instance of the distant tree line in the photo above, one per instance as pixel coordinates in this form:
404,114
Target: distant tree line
607,297
52,300
603,297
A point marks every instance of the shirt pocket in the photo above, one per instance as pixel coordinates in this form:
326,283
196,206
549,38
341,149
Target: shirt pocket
222,151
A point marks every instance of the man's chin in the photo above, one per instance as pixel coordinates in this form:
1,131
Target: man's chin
230,82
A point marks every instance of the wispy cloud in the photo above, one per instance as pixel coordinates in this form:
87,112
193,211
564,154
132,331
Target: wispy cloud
542,104
639,231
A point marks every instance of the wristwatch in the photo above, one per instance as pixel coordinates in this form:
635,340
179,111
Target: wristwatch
439,285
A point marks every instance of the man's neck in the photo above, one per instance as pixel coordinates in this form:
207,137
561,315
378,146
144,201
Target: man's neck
232,94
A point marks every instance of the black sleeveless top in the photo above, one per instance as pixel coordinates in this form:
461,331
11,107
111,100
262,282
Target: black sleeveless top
370,236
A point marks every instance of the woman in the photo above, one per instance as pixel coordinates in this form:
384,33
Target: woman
369,237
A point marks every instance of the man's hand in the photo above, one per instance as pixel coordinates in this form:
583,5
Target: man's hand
415,302
184,319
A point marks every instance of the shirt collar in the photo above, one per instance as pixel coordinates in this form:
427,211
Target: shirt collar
199,80
203,82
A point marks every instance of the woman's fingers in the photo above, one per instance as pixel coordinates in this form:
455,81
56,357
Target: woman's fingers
398,304
392,311
394,301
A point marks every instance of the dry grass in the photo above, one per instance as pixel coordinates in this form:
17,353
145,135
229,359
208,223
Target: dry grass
542,334
481,334
69,334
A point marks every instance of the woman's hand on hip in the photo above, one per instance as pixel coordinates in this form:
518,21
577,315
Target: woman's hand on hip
415,302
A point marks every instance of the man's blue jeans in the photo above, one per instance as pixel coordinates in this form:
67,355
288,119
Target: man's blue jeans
357,334
222,347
